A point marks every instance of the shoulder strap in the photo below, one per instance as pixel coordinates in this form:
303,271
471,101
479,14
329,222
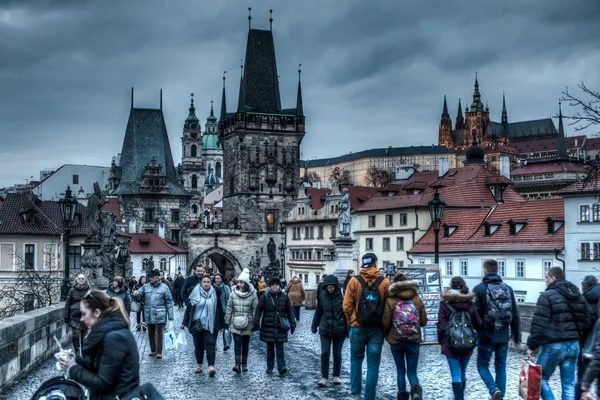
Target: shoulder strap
452,309
361,280
378,281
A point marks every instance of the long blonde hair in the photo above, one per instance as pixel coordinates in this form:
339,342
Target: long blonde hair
98,300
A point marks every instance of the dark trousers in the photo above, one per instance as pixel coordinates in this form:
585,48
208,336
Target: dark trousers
297,312
156,337
326,343
241,346
581,368
178,300
205,341
271,349
139,314
223,338
77,336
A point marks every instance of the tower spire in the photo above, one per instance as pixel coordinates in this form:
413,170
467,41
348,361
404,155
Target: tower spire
445,110
271,20
161,99
477,105
504,114
132,97
191,122
249,18
223,100
241,99
299,107
460,121
561,145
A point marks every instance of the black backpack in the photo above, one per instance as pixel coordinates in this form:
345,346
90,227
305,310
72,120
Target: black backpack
370,304
459,332
498,306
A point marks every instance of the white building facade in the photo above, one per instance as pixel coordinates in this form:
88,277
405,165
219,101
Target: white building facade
78,177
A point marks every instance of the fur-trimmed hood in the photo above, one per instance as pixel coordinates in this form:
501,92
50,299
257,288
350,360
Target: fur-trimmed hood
403,290
458,297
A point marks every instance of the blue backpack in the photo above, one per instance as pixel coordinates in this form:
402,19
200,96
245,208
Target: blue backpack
499,306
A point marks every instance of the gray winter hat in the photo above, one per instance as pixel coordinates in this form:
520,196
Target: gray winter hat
589,281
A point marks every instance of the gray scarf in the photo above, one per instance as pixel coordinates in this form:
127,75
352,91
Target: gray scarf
205,304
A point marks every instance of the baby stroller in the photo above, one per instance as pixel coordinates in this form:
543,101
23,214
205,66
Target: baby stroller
60,388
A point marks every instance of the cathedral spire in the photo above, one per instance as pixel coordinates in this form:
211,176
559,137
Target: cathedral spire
223,100
504,114
477,105
241,96
299,107
445,110
561,145
191,122
460,121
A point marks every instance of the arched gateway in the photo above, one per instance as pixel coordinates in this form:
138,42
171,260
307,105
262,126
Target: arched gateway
225,261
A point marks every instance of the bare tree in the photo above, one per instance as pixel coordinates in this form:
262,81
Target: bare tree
587,107
313,177
341,176
31,288
379,177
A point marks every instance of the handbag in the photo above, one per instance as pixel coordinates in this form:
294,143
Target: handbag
240,322
284,323
530,380
195,327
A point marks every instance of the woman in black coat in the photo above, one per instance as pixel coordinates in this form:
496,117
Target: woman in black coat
330,320
109,364
275,310
72,313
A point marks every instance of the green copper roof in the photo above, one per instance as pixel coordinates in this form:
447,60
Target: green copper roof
211,142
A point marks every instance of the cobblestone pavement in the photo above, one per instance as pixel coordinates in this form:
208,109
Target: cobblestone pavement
175,378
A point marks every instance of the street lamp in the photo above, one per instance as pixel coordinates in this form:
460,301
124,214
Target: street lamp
68,205
436,209
282,247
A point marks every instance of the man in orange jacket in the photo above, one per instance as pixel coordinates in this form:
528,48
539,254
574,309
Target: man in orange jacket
363,306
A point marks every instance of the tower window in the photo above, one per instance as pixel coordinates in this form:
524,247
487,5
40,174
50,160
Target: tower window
194,209
194,151
194,181
218,169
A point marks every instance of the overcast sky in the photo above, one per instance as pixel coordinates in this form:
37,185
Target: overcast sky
374,73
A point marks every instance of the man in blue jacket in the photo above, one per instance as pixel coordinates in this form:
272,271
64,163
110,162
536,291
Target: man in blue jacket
495,302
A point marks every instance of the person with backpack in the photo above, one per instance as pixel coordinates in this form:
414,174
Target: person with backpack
458,321
330,320
363,307
560,321
403,316
497,308
591,292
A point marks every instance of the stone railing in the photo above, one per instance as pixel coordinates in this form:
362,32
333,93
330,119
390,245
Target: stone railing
26,340
526,311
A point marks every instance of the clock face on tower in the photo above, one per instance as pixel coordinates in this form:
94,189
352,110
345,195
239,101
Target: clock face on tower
194,135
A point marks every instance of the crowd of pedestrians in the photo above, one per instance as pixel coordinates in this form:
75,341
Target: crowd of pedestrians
367,308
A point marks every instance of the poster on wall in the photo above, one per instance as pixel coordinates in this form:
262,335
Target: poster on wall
429,282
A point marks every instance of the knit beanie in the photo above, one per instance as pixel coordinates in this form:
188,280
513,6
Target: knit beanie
245,276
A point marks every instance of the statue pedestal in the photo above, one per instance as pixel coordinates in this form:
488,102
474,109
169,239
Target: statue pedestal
344,250
93,262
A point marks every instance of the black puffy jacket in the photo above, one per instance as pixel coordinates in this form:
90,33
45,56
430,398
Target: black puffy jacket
270,307
72,314
329,316
109,365
561,315
592,296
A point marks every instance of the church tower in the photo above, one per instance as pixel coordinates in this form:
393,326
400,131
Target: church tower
261,144
191,158
212,150
445,132
477,120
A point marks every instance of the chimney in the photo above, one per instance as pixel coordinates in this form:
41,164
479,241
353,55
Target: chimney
442,166
505,166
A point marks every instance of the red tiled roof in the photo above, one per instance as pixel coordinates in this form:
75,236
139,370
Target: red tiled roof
469,235
582,187
112,206
360,195
150,243
592,144
500,149
317,197
551,166
551,144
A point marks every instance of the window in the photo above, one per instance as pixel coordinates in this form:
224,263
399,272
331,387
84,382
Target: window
520,296
464,267
449,268
29,256
194,209
175,215
371,221
596,212
218,169
399,243
590,250
403,219
317,279
306,232
175,235
368,243
270,220
307,254
389,220
333,231
300,277
318,255
194,151
501,267
421,261
320,232
312,232
584,213
163,264
75,179
386,244
491,228
148,230
399,264
305,278
520,268
149,215
553,225
75,257
449,229
194,181
547,264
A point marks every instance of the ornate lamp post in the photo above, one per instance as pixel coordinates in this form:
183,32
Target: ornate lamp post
436,209
282,248
68,205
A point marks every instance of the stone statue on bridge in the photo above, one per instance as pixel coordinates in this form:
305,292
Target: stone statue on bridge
344,215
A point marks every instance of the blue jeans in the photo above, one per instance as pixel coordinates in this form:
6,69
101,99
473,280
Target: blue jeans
484,355
458,368
370,339
406,356
563,355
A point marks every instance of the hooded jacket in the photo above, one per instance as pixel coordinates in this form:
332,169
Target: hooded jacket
241,306
271,306
296,293
592,296
460,302
72,314
158,303
329,316
561,315
109,365
122,294
488,334
404,290
354,290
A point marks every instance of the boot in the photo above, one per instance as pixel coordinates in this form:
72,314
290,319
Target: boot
244,364
237,367
457,388
416,392
403,396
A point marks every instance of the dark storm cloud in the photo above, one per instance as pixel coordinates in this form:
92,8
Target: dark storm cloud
374,73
